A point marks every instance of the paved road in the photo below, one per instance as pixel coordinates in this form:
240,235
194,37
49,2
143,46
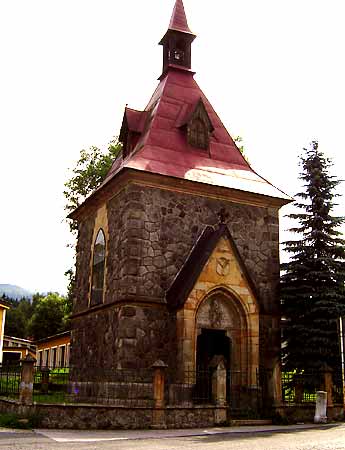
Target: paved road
331,437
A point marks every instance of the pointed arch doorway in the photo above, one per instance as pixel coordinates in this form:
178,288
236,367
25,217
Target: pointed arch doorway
221,330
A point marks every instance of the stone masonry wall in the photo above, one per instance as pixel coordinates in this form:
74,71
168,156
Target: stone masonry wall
93,417
84,245
145,335
151,232
93,340
124,337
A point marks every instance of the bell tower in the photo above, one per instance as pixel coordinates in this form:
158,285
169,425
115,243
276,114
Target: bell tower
177,41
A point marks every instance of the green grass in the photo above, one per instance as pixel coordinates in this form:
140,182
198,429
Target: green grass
11,420
55,397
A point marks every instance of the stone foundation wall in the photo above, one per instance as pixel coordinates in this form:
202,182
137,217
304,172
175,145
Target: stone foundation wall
92,417
305,412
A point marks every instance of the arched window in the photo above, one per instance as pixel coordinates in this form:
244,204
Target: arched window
198,133
98,265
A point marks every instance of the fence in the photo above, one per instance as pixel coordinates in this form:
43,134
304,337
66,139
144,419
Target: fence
118,387
216,385
300,388
159,387
131,388
10,377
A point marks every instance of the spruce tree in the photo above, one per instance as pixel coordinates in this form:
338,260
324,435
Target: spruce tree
312,284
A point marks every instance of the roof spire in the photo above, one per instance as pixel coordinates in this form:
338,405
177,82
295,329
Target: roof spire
178,19
177,40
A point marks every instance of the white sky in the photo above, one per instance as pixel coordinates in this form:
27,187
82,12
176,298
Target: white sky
274,71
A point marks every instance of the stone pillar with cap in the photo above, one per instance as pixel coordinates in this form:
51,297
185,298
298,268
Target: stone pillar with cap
27,380
158,417
328,383
321,407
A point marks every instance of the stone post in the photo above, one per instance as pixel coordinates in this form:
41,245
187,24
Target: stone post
219,392
299,392
321,407
158,417
277,383
328,381
27,380
219,385
45,371
299,381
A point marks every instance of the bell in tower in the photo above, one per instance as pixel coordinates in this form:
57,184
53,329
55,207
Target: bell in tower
177,40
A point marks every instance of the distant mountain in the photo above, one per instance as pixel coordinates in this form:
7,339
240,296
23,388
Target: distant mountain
15,292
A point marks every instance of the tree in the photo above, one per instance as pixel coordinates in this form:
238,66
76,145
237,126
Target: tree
50,316
88,174
239,142
17,317
312,284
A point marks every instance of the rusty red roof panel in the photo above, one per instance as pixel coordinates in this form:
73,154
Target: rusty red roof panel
163,148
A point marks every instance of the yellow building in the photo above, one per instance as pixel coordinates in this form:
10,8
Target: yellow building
53,351
4,306
14,349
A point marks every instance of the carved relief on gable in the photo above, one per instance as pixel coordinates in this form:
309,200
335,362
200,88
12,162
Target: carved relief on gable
223,266
215,313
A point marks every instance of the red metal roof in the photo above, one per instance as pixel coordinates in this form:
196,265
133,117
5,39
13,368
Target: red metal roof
178,19
162,147
135,119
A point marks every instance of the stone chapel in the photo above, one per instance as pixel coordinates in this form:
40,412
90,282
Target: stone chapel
177,254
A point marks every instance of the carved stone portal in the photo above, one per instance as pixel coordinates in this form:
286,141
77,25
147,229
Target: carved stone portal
215,312
224,313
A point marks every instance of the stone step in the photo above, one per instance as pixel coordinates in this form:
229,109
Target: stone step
250,422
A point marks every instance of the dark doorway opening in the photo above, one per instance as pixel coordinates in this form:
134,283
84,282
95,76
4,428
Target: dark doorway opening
210,344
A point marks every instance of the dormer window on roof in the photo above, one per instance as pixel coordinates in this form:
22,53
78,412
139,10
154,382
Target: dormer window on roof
199,127
132,126
198,134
